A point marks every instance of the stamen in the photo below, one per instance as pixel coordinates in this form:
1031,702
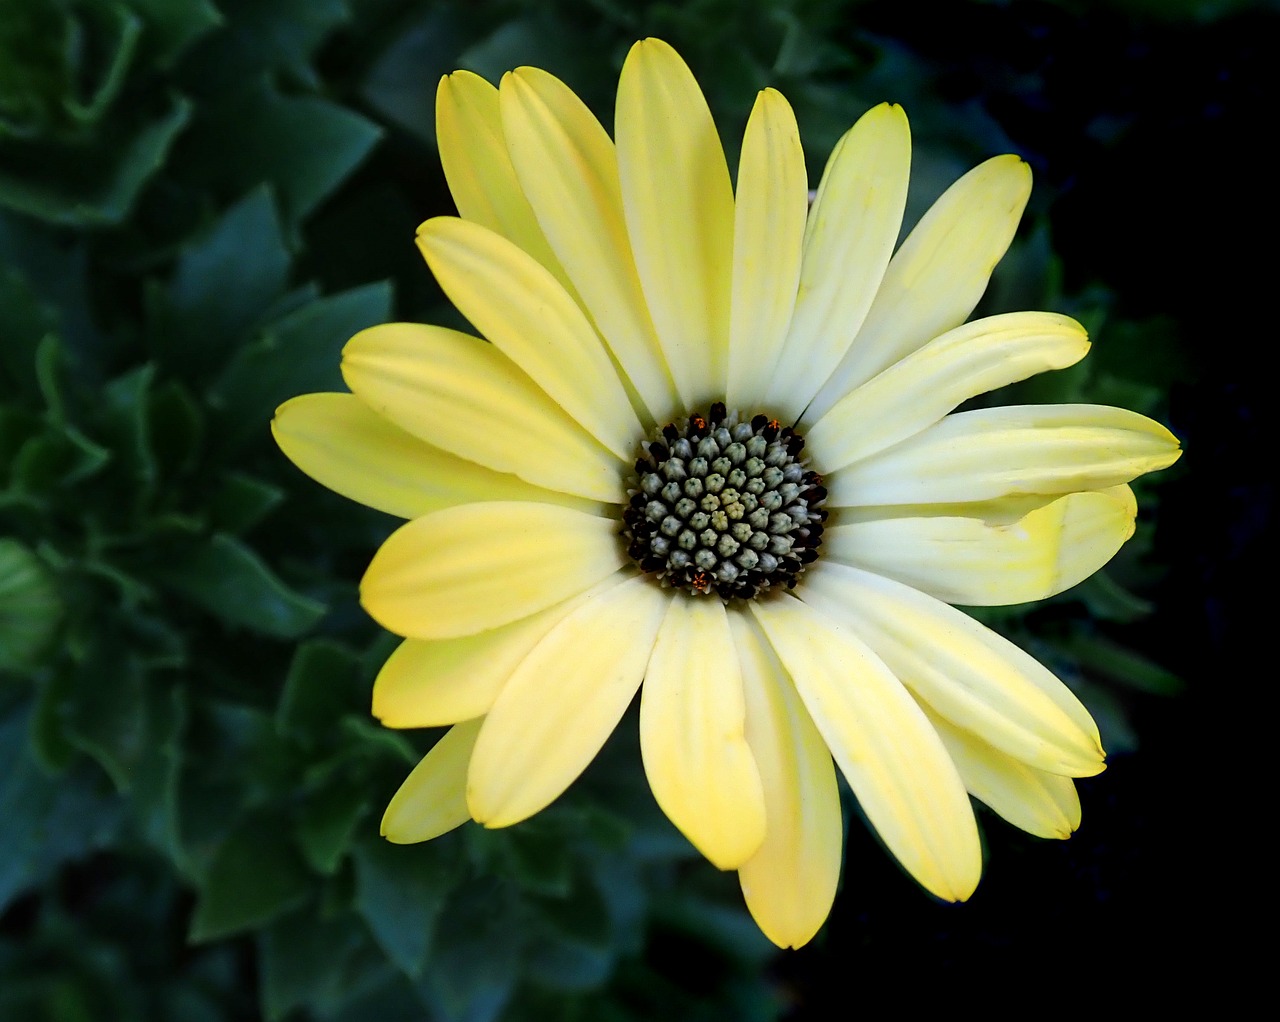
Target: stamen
726,506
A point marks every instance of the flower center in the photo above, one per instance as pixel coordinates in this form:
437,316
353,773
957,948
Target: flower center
723,505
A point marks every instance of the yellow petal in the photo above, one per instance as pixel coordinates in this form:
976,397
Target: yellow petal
692,733
999,452
530,318
432,800
964,671
339,443
893,759
568,168
974,563
790,883
1042,804
679,209
428,682
479,566
478,169
562,703
937,276
923,387
463,395
849,239
769,216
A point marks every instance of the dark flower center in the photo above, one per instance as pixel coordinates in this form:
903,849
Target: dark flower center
723,505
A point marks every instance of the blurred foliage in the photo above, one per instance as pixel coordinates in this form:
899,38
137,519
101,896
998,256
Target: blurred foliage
200,201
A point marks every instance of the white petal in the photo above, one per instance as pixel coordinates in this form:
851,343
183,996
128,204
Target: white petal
893,759
530,318
790,883
562,702
999,452
771,205
937,276
432,800
474,567
463,395
692,733
964,671
678,203
923,387
850,236
975,563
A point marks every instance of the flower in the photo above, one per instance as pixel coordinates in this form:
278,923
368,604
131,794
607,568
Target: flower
710,445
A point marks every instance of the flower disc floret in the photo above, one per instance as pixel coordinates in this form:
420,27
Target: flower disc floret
724,505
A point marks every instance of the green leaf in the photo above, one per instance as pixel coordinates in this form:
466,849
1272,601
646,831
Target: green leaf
24,319
1107,600
224,283
400,890
301,352
177,428
125,403
46,821
329,816
106,709
267,35
254,877
422,51
30,607
1101,656
241,501
304,146
230,581
96,183
303,961
471,975
173,25
323,685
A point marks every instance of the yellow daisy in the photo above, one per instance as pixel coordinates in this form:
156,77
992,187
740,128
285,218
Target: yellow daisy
708,444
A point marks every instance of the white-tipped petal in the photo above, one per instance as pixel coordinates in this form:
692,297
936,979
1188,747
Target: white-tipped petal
692,733
936,278
923,387
770,208
678,203
964,671
850,235
479,566
463,395
790,883
432,800
892,757
1000,452
562,703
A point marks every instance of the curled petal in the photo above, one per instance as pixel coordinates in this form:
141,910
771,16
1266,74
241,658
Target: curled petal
977,563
